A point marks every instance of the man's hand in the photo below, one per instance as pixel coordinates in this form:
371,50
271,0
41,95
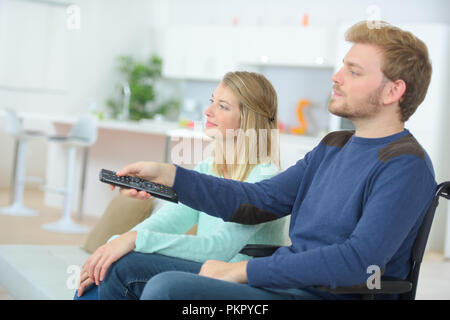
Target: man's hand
162,173
228,271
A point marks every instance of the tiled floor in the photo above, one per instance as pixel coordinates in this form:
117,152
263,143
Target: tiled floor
27,230
434,281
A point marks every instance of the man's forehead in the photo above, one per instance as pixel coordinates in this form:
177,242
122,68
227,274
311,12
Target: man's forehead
364,56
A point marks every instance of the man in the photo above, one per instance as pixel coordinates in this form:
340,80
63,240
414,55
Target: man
356,200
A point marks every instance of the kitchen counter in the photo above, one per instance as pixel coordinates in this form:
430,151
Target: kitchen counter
149,126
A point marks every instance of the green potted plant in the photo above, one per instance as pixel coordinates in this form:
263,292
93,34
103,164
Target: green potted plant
139,83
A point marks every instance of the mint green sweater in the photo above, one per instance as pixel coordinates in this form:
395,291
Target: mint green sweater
164,231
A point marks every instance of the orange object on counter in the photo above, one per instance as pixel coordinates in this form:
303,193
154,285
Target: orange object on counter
300,117
305,20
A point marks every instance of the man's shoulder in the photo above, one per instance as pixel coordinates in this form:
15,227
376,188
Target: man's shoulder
337,138
406,150
406,145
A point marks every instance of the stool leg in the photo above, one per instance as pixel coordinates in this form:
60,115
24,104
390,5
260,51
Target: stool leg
17,208
71,154
83,182
66,224
14,171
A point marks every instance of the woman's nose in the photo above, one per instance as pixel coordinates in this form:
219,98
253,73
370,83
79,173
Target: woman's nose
209,111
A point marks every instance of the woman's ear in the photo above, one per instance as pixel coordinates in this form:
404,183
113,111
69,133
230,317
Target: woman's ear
394,92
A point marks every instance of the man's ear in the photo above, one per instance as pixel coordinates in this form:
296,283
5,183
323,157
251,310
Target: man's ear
394,91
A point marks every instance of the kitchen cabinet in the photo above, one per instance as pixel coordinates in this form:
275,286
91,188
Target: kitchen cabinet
197,53
208,53
286,46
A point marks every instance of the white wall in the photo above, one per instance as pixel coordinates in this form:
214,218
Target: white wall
107,29
290,12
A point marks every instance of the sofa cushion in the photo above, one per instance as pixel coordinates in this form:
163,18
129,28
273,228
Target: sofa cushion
122,214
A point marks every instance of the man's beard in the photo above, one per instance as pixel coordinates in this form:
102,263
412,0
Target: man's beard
364,110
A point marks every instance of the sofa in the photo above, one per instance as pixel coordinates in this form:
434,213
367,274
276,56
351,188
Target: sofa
40,272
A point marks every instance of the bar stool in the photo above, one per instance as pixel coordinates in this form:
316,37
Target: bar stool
21,136
82,135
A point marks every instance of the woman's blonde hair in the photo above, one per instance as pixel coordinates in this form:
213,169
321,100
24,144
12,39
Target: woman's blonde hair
405,57
257,138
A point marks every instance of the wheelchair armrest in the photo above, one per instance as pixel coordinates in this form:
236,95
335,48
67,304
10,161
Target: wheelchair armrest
388,285
259,250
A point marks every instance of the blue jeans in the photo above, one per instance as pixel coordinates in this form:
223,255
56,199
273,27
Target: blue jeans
126,278
179,285
90,293
149,276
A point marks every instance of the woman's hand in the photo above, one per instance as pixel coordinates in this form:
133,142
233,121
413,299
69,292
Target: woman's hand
84,282
162,173
95,267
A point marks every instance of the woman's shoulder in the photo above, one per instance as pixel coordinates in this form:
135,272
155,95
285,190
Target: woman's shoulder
263,171
259,172
204,166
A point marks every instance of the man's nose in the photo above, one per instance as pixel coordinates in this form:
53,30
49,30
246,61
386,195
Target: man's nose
337,77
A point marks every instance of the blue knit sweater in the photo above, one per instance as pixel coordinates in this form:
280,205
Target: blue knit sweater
354,202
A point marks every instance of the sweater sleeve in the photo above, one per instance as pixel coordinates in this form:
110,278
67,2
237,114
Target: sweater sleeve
237,201
399,196
222,244
172,218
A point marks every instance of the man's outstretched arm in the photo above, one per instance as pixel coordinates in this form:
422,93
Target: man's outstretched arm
236,201
231,200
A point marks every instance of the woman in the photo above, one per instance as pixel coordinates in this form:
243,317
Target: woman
244,103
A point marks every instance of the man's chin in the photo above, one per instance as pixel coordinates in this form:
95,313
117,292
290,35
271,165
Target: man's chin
333,109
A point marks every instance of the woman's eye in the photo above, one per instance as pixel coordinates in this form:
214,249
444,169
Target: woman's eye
211,100
223,107
353,73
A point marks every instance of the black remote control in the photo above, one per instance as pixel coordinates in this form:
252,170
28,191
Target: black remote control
156,190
